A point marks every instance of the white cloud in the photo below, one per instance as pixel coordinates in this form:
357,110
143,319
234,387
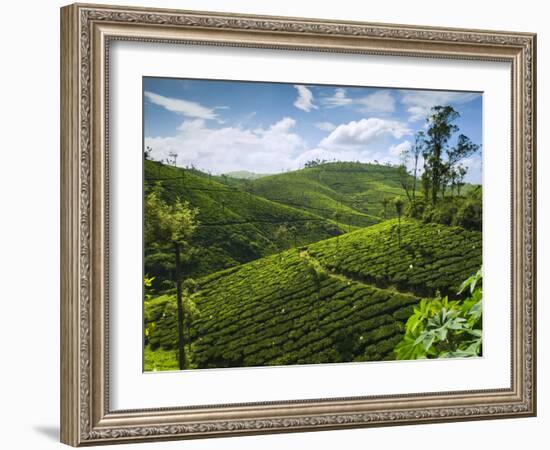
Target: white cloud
377,102
277,147
305,98
475,169
398,149
263,150
338,99
180,106
381,101
325,126
282,126
365,132
419,103
190,125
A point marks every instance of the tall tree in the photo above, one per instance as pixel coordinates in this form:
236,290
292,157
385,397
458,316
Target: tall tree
404,180
463,149
385,202
398,202
441,161
440,130
460,171
147,152
171,224
190,310
416,150
173,158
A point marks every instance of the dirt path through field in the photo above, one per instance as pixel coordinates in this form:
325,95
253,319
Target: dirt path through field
311,261
318,267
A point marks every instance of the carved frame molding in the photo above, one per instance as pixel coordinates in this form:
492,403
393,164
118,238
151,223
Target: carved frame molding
86,32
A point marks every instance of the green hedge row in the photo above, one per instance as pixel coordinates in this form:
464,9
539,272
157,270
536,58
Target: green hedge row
423,259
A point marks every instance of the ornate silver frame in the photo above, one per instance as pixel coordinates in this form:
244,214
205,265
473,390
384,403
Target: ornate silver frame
86,31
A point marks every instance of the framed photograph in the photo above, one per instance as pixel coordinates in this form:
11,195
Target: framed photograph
277,224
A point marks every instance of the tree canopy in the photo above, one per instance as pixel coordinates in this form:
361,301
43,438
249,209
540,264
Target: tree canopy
164,223
441,161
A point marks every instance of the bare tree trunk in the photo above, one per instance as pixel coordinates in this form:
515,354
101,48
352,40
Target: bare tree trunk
399,229
405,188
414,180
179,300
436,172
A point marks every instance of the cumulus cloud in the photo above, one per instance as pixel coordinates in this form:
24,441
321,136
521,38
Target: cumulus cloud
339,98
398,149
365,132
191,125
325,126
183,107
305,98
419,103
377,102
277,147
263,150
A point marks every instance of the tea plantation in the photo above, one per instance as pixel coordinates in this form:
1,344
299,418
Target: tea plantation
338,300
354,190
430,256
234,226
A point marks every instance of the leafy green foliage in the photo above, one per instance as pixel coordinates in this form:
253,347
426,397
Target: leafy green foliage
465,211
160,318
147,286
440,328
160,359
167,223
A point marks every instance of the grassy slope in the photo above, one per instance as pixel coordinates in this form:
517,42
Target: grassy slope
355,190
314,304
235,226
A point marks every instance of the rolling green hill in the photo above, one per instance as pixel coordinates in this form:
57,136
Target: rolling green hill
340,299
234,226
353,190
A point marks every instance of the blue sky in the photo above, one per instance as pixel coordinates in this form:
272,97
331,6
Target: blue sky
224,126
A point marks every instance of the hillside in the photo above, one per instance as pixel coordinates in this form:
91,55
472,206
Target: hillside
354,191
341,299
234,226
430,257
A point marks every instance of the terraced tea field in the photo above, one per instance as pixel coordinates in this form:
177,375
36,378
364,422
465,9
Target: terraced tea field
430,257
234,226
338,300
354,190
280,310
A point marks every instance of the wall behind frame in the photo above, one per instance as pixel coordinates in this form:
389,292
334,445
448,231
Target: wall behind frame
29,229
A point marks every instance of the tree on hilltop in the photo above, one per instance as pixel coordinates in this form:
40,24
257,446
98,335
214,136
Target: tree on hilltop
440,159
